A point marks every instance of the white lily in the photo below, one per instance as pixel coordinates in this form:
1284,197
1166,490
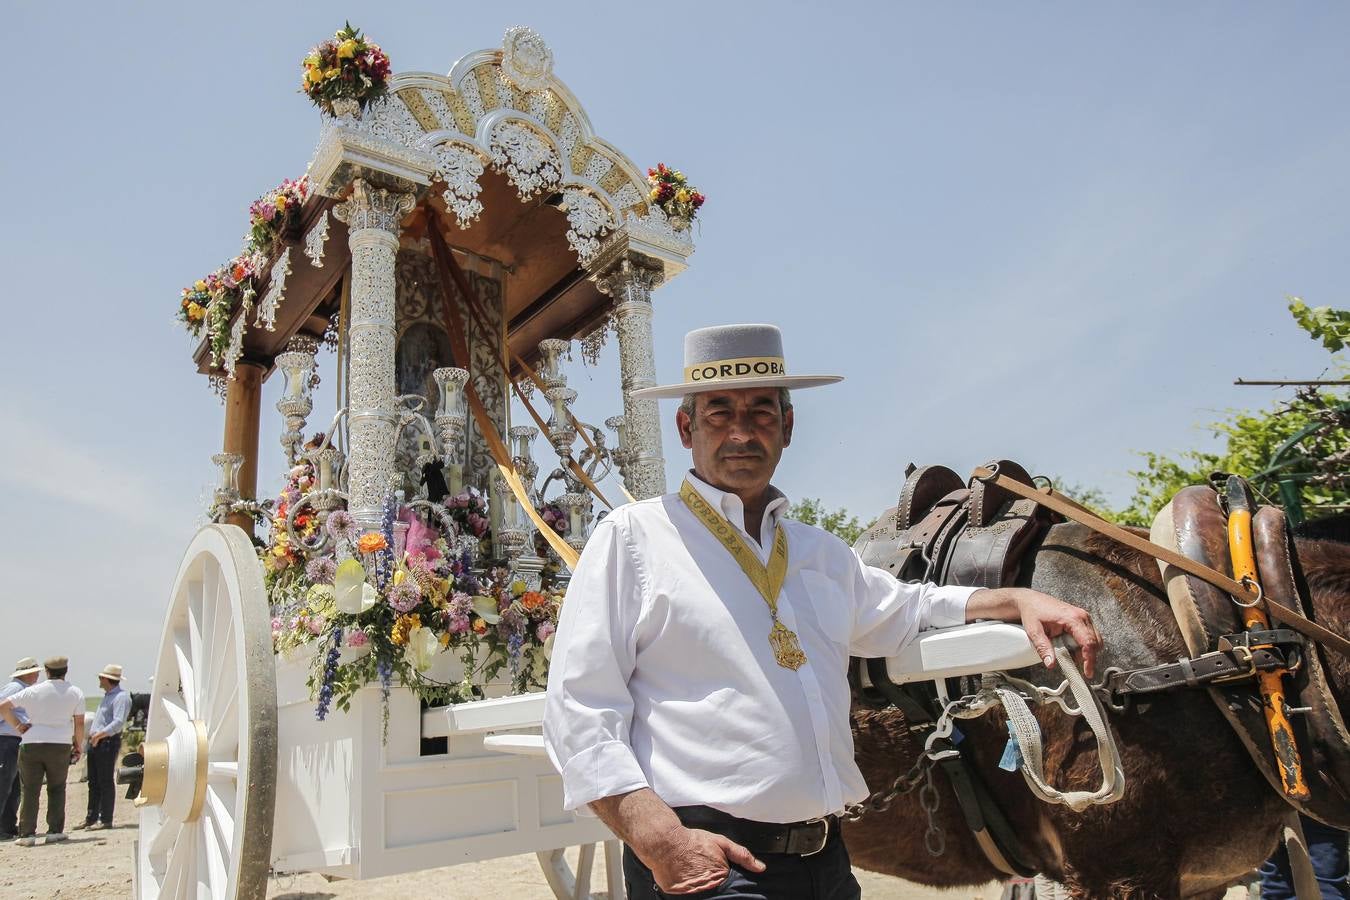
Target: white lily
352,593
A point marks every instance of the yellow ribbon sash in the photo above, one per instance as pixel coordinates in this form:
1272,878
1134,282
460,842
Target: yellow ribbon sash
787,650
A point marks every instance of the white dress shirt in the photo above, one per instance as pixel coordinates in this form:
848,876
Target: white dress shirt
52,706
662,675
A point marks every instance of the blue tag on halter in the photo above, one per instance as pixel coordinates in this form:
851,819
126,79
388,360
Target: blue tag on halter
1012,753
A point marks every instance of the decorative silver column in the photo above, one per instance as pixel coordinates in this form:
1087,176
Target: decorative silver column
372,215
630,282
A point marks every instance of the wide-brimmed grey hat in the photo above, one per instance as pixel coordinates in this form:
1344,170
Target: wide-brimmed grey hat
728,357
25,666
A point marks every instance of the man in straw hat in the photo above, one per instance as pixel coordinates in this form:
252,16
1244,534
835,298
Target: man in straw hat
105,740
25,673
698,700
52,740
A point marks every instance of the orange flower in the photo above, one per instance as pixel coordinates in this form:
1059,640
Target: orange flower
371,542
479,626
532,600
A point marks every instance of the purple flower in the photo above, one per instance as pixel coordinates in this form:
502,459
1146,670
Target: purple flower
458,624
461,604
512,623
321,569
405,597
341,526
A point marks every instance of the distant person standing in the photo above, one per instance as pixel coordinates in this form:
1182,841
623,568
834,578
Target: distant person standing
105,740
53,740
25,673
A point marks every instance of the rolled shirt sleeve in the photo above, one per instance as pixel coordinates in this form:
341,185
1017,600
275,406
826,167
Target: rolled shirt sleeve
588,709
888,613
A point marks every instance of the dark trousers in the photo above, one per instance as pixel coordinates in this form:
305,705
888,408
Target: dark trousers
827,875
1327,847
36,762
9,784
102,768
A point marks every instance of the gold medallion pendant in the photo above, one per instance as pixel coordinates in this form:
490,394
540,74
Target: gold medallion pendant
768,580
786,650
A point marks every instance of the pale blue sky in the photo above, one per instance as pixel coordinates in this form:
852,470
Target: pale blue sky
1050,231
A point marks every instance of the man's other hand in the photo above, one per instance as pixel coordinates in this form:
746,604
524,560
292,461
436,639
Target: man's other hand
699,861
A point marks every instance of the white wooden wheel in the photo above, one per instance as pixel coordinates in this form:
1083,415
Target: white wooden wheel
569,884
209,787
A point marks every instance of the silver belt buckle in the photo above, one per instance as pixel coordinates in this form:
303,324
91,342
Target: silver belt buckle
824,838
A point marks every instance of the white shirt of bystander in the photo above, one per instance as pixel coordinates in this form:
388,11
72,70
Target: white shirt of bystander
51,706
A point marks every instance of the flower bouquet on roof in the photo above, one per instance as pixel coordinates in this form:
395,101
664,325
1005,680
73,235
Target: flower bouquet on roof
674,195
347,67
275,213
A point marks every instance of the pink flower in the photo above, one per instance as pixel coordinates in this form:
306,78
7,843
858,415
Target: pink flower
545,631
276,625
316,624
458,624
357,639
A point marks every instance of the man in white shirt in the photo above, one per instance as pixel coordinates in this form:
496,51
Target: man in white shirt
53,738
698,700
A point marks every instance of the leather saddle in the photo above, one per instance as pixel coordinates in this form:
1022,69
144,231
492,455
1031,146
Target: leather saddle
945,531
1194,524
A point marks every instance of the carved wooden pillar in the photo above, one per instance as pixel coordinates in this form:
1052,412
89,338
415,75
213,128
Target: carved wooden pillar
243,402
630,281
372,216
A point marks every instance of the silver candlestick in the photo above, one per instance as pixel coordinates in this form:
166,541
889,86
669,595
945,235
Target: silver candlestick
227,493
297,364
451,417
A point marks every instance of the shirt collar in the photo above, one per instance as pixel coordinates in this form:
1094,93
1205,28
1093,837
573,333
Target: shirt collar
733,510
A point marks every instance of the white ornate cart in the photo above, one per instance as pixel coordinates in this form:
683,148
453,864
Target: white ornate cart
552,229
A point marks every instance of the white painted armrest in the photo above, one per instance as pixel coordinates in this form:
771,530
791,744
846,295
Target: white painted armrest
520,744
962,650
499,714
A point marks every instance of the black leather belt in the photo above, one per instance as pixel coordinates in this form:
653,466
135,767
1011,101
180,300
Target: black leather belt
797,838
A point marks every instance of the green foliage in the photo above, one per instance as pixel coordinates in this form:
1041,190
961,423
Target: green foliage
1330,326
1309,434
810,511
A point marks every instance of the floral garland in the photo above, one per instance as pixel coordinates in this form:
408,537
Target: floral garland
348,67
671,191
272,213
208,304
400,599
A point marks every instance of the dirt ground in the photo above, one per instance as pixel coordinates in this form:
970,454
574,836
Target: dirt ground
98,865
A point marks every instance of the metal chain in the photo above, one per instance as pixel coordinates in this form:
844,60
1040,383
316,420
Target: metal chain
933,839
880,801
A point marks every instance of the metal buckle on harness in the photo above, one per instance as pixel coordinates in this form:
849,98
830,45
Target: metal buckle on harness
1251,672
824,837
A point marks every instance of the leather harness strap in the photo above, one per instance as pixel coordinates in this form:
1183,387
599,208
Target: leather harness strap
1053,500
1204,669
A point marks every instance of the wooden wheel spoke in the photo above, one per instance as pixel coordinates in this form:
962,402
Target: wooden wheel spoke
222,771
222,735
223,680
221,815
213,859
178,872
187,678
160,845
